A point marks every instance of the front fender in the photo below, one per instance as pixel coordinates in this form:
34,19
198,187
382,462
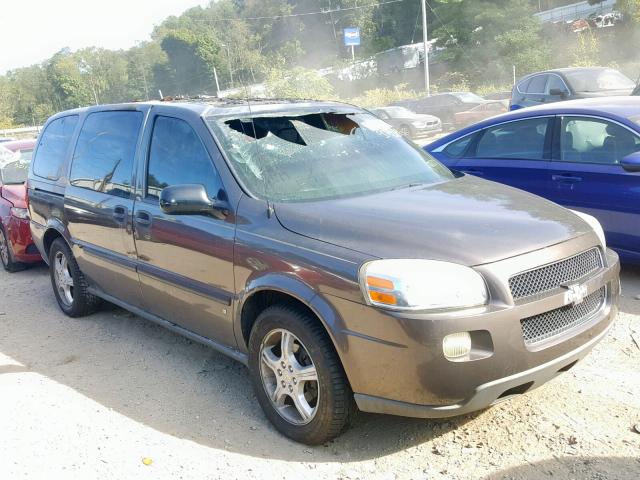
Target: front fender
295,287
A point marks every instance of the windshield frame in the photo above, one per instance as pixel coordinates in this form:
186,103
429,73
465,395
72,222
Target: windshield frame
211,116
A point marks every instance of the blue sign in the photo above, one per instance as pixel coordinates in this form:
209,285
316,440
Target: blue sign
351,36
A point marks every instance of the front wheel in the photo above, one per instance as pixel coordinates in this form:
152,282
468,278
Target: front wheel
405,131
298,377
68,282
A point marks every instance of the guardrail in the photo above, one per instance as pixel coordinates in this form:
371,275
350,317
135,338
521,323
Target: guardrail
22,132
575,11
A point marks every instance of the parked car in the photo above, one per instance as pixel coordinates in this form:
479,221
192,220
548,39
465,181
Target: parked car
479,112
23,147
16,245
569,84
443,105
313,243
408,123
582,154
506,95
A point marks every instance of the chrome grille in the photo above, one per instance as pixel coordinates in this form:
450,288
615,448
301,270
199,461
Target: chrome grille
549,324
554,275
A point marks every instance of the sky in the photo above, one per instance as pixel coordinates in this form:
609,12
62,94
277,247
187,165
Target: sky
33,30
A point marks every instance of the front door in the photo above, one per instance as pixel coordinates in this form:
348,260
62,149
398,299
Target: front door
515,153
185,261
99,201
586,175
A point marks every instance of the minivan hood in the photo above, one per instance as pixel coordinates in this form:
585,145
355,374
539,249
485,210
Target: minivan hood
466,220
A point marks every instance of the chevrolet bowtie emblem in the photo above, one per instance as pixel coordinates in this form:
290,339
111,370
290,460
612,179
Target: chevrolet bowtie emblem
575,294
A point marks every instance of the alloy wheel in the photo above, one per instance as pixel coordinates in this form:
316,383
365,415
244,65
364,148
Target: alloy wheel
4,249
63,278
289,377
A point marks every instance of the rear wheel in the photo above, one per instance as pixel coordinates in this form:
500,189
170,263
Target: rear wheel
69,284
298,377
6,255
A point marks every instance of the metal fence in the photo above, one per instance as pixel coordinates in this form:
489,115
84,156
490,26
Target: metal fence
575,11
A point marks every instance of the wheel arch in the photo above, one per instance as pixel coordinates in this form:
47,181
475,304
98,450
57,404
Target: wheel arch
284,289
55,229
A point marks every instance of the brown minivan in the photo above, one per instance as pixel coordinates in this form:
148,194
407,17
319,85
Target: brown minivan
342,264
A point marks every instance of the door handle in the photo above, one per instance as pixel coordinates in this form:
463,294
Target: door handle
120,213
143,218
566,178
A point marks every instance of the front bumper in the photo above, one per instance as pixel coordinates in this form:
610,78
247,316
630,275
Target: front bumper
487,394
395,361
427,131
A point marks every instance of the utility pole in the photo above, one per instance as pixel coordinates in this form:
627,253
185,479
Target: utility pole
426,48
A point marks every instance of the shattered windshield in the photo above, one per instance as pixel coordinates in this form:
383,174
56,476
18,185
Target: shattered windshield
314,156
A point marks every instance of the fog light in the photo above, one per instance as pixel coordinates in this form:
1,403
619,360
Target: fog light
456,345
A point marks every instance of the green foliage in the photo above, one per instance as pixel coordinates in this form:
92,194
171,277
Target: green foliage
379,97
483,40
587,50
298,82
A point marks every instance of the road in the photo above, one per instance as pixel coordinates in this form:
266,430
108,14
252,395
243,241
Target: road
92,397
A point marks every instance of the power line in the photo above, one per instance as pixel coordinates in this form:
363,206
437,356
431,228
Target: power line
291,15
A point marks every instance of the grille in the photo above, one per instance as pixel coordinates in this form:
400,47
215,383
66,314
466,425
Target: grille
549,324
552,276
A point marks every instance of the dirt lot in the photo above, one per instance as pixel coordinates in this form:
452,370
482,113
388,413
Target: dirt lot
90,398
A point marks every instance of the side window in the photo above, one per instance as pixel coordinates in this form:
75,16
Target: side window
522,86
537,84
555,82
177,156
590,140
458,148
53,146
381,114
103,158
522,139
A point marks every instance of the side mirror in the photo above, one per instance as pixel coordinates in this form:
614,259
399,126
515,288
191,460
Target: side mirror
557,92
631,163
190,199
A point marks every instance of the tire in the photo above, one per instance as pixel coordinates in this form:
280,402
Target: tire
62,263
6,254
331,399
405,131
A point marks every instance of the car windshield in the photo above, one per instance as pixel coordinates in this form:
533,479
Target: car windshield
399,112
468,97
598,80
13,170
306,156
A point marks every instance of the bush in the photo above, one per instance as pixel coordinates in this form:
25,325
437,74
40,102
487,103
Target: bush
380,97
298,83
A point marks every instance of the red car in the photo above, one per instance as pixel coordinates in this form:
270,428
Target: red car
16,245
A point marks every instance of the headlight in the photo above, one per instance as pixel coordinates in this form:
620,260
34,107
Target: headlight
419,124
595,224
22,213
408,284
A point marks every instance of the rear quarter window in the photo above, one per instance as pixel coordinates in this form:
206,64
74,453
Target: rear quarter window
53,146
104,154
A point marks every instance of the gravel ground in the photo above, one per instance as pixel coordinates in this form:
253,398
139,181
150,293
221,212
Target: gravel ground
94,397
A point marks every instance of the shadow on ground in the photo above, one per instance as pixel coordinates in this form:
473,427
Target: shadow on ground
169,383
587,468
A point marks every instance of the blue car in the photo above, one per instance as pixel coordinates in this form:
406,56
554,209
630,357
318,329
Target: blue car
583,154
